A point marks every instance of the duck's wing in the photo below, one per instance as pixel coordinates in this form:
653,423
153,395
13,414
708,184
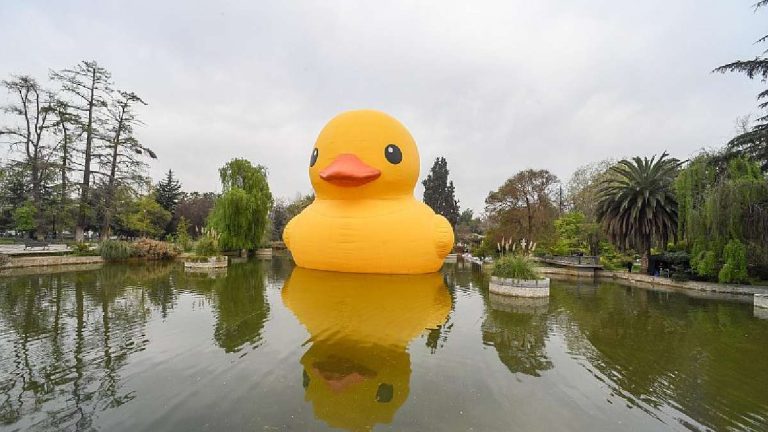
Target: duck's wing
443,236
287,233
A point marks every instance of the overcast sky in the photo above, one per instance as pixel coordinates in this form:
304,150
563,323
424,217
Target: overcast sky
495,87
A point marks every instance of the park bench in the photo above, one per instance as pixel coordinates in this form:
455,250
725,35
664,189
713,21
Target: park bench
29,244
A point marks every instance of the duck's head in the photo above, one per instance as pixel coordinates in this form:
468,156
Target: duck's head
364,154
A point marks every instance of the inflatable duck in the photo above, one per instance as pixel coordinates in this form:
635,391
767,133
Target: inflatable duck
357,371
365,219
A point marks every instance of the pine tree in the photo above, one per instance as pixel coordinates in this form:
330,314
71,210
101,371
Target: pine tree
439,192
753,142
168,192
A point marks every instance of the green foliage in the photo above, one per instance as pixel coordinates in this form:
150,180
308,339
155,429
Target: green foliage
24,217
182,233
612,259
240,213
515,267
154,249
83,249
439,193
115,250
735,268
636,202
147,217
207,245
705,264
719,206
168,192
575,234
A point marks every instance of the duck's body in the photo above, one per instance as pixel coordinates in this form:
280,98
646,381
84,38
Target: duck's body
402,236
365,219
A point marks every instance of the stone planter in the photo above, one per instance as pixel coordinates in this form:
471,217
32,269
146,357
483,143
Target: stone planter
451,258
522,305
519,287
264,253
214,262
760,301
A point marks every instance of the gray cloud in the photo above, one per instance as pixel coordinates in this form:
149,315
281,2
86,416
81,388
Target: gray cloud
495,87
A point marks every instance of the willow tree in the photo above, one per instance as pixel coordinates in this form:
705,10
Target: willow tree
636,203
722,208
240,213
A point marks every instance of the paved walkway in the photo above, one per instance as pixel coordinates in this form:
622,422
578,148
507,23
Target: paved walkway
18,250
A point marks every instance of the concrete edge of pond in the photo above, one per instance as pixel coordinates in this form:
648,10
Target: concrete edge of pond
50,261
761,301
519,287
655,281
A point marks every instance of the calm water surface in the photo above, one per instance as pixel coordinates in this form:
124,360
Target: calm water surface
265,346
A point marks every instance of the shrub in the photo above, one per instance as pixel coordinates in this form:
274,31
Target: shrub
735,268
4,259
182,233
113,250
207,246
515,267
154,249
705,264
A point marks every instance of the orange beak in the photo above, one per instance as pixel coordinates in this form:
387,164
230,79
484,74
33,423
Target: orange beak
348,170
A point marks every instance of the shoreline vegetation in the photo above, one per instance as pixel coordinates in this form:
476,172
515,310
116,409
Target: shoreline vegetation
81,174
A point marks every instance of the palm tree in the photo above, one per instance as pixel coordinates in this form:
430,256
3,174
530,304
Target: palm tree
636,203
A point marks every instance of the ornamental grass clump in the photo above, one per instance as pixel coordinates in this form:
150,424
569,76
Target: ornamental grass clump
208,245
115,250
515,267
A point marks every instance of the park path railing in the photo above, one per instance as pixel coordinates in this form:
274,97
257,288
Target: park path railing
572,261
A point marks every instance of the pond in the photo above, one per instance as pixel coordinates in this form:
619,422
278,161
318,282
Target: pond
266,346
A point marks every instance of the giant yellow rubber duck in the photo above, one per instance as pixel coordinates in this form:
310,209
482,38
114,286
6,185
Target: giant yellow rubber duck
357,371
365,219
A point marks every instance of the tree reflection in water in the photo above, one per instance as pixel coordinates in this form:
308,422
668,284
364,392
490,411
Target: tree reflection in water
357,371
517,327
65,337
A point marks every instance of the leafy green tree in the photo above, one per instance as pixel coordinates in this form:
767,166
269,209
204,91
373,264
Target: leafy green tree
24,217
168,192
735,268
439,191
148,218
240,213
576,234
13,193
636,203
182,233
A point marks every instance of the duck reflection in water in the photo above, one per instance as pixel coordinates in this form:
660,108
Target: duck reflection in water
357,371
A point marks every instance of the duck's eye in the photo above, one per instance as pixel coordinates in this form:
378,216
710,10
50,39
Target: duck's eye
385,393
313,158
393,154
